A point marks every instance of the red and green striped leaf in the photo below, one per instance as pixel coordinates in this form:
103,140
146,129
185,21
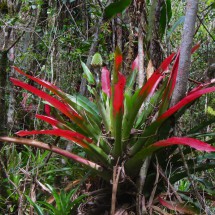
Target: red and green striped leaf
165,64
186,141
66,99
65,109
137,100
202,86
70,135
44,83
137,159
170,86
54,122
151,130
172,82
139,97
117,64
117,113
118,99
188,99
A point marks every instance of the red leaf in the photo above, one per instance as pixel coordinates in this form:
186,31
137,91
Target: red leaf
70,135
151,84
119,94
118,60
201,86
59,105
194,143
188,99
156,77
174,73
106,81
164,65
172,78
52,121
46,84
47,109
195,47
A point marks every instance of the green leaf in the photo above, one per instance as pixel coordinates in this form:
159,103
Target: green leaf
117,7
87,73
149,107
130,82
48,207
176,24
105,113
56,197
166,14
85,106
37,208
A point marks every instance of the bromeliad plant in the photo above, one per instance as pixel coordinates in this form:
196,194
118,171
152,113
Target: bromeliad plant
111,129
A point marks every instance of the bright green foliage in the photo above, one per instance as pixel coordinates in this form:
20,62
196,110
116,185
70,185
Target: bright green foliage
64,204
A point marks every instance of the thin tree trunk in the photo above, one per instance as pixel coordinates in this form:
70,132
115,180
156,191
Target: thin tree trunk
12,100
185,51
93,48
3,83
119,31
156,54
141,73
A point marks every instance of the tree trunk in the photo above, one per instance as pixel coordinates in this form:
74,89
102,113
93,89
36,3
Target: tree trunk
93,48
3,84
185,51
156,54
12,100
141,73
119,31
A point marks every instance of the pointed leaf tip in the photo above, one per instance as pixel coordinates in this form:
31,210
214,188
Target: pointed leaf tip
135,64
70,135
188,99
119,93
118,59
56,103
194,143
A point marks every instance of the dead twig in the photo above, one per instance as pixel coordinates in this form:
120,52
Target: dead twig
154,188
116,174
169,184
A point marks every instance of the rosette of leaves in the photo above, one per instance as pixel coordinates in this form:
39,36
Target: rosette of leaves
111,130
